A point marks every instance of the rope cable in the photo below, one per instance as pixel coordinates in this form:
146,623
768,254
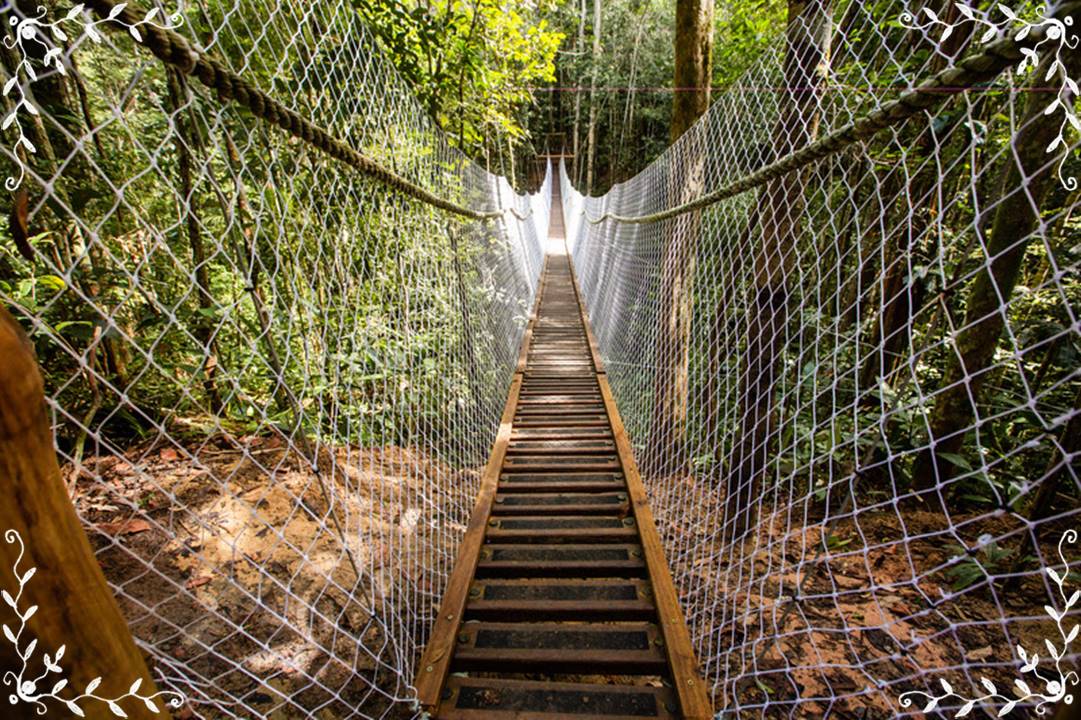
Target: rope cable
977,68
174,49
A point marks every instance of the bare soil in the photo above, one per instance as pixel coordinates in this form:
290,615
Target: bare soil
877,614
230,565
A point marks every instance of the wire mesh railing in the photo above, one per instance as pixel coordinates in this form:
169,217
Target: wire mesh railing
853,384
274,369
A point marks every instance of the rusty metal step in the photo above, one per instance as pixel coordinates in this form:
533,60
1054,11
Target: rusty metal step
620,648
583,412
561,446
561,482
527,410
601,599
560,529
469,698
507,503
560,433
555,463
570,560
578,420
559,399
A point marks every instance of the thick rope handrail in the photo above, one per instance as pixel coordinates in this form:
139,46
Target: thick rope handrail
174,49
974,69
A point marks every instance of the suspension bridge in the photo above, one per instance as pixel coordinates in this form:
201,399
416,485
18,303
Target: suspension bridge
337,423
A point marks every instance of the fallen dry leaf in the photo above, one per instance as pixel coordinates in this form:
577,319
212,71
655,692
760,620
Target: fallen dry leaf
124,527
197,582
169,455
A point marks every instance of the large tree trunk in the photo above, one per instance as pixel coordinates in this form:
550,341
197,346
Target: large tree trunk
781,205
693,70
75,606
901,297
694,63
591,139
1024,187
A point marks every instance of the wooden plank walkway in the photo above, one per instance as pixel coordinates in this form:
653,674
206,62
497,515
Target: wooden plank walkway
560,603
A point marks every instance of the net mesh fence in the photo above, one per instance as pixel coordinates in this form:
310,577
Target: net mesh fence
273,380
853,389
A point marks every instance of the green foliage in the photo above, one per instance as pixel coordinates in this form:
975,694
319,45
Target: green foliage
331,305
986,561
742,32
471,64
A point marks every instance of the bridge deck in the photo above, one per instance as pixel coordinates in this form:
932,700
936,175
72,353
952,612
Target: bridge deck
561,575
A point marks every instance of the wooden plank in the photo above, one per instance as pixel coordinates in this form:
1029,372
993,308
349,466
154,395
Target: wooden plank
435,662
600,599
76,608
564,560
498,699
560,647
690,689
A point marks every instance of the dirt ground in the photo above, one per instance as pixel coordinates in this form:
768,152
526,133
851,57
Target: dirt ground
877,615
231,566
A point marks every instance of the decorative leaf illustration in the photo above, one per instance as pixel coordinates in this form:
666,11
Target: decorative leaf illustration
1055,688
27,688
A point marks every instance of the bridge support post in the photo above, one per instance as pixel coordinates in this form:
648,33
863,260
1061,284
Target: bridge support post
75,608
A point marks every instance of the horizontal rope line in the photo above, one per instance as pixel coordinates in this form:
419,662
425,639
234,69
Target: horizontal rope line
976,68
174,49
773,88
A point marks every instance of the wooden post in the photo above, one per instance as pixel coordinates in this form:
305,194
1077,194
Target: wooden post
75,607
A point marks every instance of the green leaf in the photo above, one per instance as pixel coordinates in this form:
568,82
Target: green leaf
957,460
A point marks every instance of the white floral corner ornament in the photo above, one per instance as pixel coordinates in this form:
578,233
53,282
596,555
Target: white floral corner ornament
47,40
1059,37
1055,689
26,689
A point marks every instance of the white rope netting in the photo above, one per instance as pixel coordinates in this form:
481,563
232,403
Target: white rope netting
854,389
273,381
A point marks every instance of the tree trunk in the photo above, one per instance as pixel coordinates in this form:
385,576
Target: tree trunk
693,69
576,168
782,203
203,331
628,112
591,139
694,63
903,298
1025,185
75,606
